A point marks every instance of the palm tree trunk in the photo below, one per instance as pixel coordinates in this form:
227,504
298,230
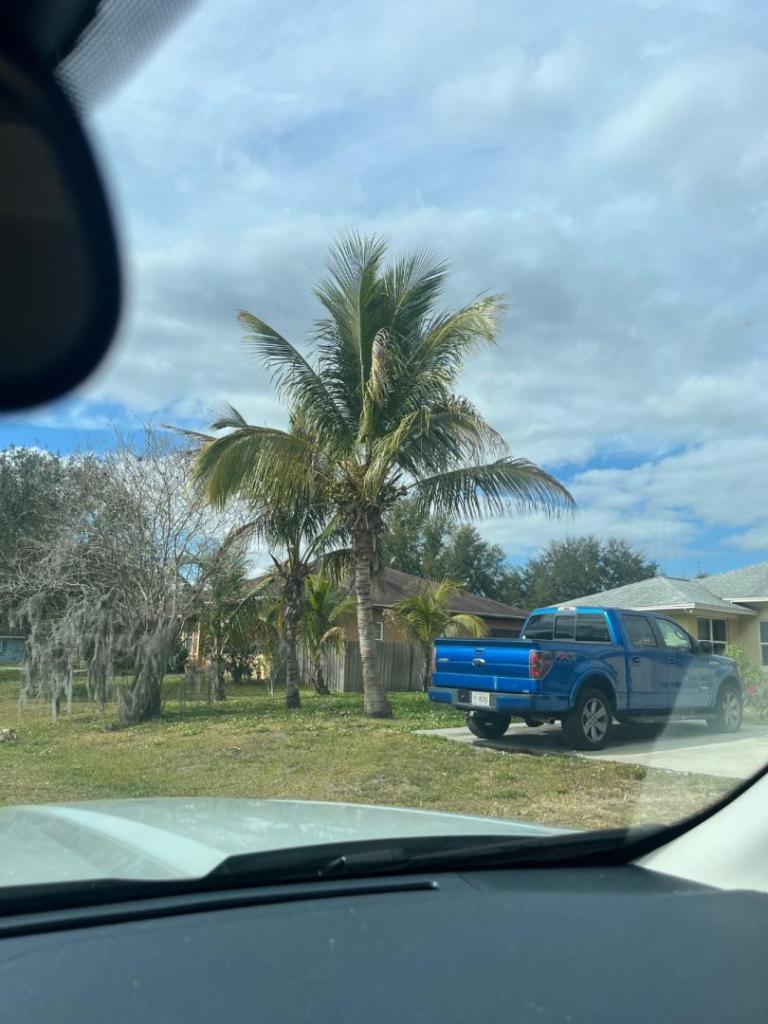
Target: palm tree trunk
217,686
319,680
290,631
375,700
426,673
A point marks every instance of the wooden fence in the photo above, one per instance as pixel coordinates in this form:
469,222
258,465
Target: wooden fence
398,664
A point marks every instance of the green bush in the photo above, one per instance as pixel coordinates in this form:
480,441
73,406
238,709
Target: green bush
755,683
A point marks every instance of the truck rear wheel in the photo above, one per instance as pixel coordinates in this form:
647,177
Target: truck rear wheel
589,724
488,725
728,709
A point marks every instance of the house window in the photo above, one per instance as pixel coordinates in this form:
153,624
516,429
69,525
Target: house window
378,631
713,632
764,643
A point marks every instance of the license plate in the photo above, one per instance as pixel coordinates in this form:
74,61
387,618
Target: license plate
480,698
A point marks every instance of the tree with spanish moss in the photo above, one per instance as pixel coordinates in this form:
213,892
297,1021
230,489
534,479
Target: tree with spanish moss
113,575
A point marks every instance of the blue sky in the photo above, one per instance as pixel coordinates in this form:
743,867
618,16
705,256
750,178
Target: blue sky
604,164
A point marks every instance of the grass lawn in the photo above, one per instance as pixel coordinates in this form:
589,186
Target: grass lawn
250,746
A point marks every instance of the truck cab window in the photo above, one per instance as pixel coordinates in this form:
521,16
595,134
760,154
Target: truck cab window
592,629
539,627
639,631
673,636
564,627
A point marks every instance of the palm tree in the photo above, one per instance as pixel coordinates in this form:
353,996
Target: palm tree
425,615
267,633
297,530
381,417
225,607
295,539
322,623
240,650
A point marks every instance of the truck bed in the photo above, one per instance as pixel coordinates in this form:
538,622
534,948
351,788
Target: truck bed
466,668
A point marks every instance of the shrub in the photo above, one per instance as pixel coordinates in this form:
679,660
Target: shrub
755,683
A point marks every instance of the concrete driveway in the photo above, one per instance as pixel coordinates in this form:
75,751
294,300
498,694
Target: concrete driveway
682,746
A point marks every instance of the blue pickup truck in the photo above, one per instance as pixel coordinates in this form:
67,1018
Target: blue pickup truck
587,667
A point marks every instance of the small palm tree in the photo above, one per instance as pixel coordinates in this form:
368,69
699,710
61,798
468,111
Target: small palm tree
425,615
322,623
226,607
291,536
380,417
296,532
268,636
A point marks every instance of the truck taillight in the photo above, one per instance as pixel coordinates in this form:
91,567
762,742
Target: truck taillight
539,663
434,658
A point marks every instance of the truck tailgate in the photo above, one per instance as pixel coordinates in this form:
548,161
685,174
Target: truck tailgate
499,665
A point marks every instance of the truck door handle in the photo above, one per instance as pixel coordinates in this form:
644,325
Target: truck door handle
636,660
671,661
477,662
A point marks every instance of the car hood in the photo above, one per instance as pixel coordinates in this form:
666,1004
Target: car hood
186,838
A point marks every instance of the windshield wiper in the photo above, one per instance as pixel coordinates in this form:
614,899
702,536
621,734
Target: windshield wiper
577,848
434,853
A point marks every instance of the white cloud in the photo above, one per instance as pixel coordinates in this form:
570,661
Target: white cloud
693,124
479,98
752,540
561,71
604,165
662,506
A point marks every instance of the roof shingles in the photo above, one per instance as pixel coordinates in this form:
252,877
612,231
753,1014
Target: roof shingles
659,592
749,582
393,585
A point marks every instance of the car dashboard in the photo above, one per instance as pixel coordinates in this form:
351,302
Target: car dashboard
550,944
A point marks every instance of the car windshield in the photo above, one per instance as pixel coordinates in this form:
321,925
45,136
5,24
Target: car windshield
431,440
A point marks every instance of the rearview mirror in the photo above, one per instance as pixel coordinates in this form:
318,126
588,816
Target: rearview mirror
59,277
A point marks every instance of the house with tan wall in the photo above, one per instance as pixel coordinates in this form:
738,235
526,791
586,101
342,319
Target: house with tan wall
398,669
726,608
391,585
